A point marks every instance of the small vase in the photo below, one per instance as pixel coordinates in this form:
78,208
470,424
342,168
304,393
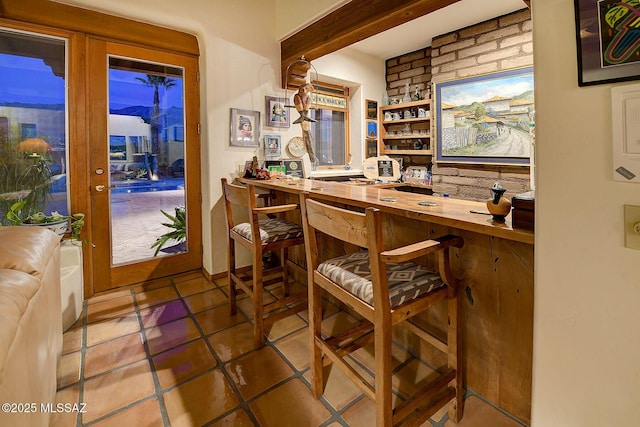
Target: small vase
498,206
407,95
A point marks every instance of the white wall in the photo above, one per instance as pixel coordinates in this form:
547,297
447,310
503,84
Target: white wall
586,368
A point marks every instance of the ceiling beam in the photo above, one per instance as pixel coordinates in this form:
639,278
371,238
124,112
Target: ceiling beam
353,22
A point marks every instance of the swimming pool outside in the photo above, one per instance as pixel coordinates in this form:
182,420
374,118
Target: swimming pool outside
143,186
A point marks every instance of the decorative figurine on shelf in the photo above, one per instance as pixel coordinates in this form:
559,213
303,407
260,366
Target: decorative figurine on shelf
498,206
252,170
416,96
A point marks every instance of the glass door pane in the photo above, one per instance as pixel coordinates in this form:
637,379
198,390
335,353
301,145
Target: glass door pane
146,147
33,133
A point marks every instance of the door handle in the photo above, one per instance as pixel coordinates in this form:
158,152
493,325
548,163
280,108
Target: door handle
100,188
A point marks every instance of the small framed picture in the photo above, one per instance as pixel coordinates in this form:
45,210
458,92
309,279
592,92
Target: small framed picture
372,129
416,174
275,111
372,109
249,172
245,128
294,168
272,146
276,170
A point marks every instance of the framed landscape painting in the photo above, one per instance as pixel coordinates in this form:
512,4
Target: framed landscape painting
486,119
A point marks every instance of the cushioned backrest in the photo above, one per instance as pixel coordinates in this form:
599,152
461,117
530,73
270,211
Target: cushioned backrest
27,249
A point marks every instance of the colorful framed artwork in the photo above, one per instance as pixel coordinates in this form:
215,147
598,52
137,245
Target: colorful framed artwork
608,49
486,119
372,129
276,112
245,128
272,147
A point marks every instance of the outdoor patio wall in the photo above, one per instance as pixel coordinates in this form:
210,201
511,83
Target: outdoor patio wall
498,44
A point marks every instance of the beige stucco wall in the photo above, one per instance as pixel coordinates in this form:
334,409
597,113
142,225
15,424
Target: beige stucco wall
586,369
587,322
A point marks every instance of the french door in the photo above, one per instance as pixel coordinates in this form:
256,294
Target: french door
144,163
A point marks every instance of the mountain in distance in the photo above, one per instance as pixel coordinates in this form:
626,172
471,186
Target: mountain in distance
527,96
36,106
174,115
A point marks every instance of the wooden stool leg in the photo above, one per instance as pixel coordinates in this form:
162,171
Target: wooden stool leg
454,335
383,385
258,305
284,253
315,324
231,268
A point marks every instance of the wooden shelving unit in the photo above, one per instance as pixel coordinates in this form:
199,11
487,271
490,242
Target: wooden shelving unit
404,130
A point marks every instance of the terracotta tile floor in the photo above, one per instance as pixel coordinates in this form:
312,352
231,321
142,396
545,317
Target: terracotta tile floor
168,353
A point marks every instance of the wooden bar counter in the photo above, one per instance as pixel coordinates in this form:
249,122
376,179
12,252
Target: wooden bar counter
496,269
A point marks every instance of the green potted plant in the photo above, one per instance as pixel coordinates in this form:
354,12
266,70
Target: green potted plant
177,235
23,177
25,183
60,224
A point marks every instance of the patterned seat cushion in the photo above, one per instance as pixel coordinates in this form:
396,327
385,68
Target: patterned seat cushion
271,230
407,280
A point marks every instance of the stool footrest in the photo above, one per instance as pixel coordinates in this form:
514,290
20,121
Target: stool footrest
437,393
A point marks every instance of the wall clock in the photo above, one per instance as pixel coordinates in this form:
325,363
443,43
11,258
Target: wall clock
296,147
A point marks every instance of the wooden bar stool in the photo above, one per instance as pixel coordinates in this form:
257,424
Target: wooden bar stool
260,235
385,288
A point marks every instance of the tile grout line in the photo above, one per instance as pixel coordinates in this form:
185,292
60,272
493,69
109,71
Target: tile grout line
156,381
83,350
243,404
143,338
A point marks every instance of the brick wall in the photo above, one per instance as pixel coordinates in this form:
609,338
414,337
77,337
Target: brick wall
498,44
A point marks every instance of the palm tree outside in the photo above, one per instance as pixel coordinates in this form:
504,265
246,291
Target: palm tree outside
156,82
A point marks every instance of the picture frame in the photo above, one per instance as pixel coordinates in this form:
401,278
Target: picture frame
372,129
371,108
249,171
415,174
275,112
244,128
600,30
270,163
294,168
486,119
272,147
